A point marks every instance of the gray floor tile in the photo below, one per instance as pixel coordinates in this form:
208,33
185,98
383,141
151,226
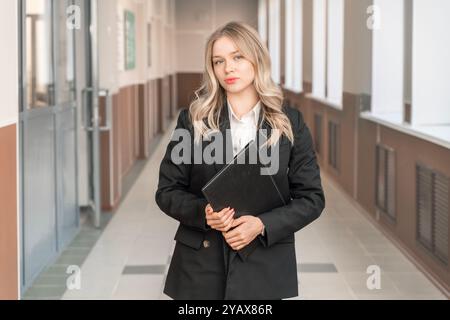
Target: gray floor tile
41,292
316,267
148,269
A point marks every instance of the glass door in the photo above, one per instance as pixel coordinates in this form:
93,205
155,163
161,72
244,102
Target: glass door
47,134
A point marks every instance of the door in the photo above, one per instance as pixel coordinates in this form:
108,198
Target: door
47,133
90,115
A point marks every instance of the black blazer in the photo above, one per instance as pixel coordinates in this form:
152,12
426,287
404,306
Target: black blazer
203,266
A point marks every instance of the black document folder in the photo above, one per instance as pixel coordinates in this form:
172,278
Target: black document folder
240,185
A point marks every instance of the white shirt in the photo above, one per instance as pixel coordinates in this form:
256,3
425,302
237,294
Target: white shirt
243,130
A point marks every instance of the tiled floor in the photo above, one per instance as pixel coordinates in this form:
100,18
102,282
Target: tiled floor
130,259
51,283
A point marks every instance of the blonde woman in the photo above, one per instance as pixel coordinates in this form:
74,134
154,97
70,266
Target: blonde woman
237,99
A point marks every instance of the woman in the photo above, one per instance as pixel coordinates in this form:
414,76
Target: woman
237,98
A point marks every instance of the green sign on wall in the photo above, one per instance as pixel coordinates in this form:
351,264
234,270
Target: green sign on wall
130,40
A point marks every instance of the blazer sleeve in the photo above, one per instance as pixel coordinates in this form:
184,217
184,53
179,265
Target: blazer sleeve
305,187
172,195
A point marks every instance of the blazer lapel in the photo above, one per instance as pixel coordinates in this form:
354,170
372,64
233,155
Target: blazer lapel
224,126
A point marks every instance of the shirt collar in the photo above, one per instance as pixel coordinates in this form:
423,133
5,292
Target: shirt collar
253,112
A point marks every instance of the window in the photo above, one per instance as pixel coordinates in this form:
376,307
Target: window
410,67
328,50
319,48
430,63
274,38
388,55
65,73
335,51
262,20
39,63
294,56
407,82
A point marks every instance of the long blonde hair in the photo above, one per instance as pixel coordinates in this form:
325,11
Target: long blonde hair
211,96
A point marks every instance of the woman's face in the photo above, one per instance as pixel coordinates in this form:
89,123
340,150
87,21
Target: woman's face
234,72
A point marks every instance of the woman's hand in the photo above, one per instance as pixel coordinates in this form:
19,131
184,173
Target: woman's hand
246,228
220,221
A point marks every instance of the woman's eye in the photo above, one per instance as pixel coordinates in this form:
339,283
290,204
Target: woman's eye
217,62
238,57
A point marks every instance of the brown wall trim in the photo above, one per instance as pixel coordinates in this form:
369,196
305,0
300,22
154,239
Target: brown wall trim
174,96
410,151
139,113
165,103
367,140
187,83
110,161
159,105
152,102
345,119
8,214
144,141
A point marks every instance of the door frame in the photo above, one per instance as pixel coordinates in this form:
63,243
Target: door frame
90,109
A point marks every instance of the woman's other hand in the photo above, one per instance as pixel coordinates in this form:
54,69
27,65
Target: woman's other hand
220,221
245,229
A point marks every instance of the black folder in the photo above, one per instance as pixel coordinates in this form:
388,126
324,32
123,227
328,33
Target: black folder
240,185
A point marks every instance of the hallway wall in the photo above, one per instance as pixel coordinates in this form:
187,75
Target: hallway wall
143,99
168,70
9,64
195,21
9,209
358,135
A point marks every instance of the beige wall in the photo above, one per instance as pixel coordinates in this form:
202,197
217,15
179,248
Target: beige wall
160,14
307,40
129,77
239,10
107,45
197,19
408,52
9,64
357,47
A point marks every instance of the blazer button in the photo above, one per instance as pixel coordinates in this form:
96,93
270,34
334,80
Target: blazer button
206,244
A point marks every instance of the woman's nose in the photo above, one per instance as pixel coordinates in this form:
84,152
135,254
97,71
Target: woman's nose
229,66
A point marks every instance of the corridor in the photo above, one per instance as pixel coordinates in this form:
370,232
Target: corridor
91,93
131,256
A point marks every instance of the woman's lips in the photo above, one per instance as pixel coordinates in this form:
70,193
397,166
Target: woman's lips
231,80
